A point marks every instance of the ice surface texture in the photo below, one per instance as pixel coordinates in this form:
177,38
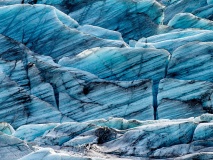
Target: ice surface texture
62,94
85,79
47,31
133,19
121,64
115,137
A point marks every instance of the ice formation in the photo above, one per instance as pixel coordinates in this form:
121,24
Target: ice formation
106,79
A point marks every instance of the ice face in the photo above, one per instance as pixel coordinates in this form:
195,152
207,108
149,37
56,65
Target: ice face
121,64
160,138
174,7
31,132
192,61
203,131
186,98
188,20
37,81
18,107
173,40
118,15
42,87
72,87
204,12
142,140
10,2
133,19
117,19
12,147
37,33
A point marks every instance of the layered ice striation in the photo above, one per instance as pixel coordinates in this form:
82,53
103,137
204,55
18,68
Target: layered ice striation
55,34
10,2
188,20
174,7
105,139
33,85
204,12
100,32
72,88
121,64
192,61
184,98
18,107
69,91
173,40
12,147
133,19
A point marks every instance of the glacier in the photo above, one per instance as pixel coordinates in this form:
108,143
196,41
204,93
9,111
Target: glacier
115,138
174,7
36,33
106,79
190,21
121,63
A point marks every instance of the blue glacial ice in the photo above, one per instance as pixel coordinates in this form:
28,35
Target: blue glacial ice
41,35
188,20
133,19
204,12
99,140
12,147
121,64
65,91
6,128
174,7
84,80
209,1
186,98
100,32
173,40
192,61
121,16
161,138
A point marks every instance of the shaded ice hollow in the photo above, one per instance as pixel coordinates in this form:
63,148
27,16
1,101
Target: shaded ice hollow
84,80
